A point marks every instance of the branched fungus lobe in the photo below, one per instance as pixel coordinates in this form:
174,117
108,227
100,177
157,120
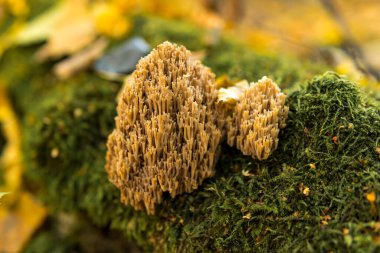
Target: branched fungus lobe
257,118
168,130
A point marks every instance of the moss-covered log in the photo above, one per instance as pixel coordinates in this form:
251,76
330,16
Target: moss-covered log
309,196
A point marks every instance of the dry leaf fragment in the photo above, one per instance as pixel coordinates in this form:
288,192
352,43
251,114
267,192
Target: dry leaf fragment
223,82
371,197
2,194
72,32
40,27
325,219
110,21
15,7
80,60
11,156
304,189
18,224
248,216
231,95
246,173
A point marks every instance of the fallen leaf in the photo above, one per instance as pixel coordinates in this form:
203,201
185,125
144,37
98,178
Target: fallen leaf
3,194
246,173
39,29
223,82
11,156
231,95
16,7
18,224
80,60
248,216
73,31
304,189
21,216
371,197
109,20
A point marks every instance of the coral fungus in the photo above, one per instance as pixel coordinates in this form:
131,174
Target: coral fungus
167,130
257,118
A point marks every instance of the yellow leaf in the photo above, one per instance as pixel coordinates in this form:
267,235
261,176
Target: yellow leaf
371,197
16,7
248,216
110,21
40,27
231,95
11,158
223,82
126,6
306,191
22,215
73,31
18,224
78,62
2,194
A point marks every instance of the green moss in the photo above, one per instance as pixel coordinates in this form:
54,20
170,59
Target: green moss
265,211
47,242
240,62
66,132
278,216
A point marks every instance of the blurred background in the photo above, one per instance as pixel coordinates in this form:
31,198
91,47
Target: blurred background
342,33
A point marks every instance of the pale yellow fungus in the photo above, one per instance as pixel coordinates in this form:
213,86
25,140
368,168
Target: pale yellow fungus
168,130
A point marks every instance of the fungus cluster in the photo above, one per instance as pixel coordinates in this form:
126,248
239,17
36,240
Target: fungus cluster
168,129
257,118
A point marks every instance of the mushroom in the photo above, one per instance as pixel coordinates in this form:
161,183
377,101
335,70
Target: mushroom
168,129
257,117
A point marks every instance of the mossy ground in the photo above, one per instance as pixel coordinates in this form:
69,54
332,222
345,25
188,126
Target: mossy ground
330,125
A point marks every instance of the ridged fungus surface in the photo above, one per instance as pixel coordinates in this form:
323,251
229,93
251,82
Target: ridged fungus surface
257,118
167,131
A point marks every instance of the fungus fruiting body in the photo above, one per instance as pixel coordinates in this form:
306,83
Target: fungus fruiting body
168,130
257,117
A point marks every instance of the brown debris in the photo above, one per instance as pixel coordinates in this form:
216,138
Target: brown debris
257,118
81,60
167,130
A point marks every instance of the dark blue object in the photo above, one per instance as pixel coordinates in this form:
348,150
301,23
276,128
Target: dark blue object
123,59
